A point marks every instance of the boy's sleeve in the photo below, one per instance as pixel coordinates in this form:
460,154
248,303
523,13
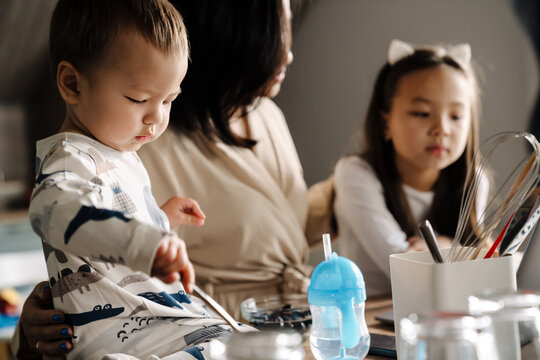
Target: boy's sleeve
71,210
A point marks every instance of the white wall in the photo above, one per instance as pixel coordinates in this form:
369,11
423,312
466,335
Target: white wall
341,44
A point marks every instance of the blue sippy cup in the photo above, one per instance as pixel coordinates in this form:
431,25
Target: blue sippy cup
336,296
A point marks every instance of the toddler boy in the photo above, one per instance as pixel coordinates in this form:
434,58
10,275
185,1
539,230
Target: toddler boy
118,66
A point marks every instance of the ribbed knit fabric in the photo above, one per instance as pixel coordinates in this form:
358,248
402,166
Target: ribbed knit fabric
255,203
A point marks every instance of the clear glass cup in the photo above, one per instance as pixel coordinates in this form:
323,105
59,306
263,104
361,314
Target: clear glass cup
516,320
326,338
446,336
259,345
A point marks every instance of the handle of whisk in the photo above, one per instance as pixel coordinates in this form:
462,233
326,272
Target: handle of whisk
427,233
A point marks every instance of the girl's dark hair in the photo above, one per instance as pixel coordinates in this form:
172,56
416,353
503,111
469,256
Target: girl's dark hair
82,30
379,152
237,47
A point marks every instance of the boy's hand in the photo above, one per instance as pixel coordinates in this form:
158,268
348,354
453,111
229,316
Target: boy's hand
172,263
183,211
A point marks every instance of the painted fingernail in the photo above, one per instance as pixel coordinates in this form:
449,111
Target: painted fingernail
65,331
63,346
57,318
45,288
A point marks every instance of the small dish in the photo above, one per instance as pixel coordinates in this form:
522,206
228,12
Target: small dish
279,311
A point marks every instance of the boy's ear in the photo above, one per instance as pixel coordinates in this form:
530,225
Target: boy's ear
68,81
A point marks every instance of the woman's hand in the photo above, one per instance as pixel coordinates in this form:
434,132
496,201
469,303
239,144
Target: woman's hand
42,329
183,211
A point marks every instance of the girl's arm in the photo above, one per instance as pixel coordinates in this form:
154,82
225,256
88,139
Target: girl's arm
360,206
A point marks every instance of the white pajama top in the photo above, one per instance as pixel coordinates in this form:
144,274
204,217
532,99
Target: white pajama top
100,227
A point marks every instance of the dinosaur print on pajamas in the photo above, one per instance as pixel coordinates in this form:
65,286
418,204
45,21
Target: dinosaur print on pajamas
74,281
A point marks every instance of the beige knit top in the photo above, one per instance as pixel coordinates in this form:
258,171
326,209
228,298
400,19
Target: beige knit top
255,201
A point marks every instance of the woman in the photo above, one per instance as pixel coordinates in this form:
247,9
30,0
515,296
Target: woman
228,147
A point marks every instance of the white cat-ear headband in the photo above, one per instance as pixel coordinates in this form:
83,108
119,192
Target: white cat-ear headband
399,49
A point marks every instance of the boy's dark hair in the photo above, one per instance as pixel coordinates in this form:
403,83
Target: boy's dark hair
237,47
81,30
380,154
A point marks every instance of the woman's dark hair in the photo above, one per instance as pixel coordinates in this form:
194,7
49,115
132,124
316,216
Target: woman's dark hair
380,154
237,47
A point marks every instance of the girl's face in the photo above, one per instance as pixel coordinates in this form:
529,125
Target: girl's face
275,84
429,123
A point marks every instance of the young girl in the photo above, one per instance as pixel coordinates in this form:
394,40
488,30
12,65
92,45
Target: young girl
421,131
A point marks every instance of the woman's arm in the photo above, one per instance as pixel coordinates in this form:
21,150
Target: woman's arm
321,218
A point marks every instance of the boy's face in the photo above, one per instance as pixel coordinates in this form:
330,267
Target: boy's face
125,101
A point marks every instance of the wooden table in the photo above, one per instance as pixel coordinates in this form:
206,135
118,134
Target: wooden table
374,306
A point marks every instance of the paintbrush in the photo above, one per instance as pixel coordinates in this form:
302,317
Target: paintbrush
219,310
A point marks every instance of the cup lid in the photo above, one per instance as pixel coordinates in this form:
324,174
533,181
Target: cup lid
335,281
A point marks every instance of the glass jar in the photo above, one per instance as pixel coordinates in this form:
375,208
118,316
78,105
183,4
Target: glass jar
447,336
259,345
516,320
326,339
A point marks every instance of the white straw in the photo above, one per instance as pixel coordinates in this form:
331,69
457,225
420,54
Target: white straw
327,246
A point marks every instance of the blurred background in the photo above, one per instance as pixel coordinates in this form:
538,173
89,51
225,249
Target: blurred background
339,45
30,107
